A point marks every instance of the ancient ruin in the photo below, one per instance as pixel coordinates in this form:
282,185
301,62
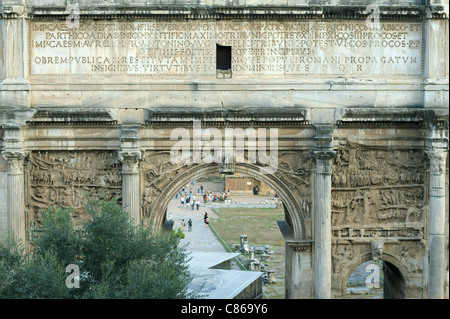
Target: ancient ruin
92,91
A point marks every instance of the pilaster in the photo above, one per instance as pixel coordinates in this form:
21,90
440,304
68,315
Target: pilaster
436,65
14,86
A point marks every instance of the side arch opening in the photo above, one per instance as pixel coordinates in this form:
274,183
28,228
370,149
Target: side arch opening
381,279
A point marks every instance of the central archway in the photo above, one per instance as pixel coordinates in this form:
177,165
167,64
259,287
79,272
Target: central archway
294,215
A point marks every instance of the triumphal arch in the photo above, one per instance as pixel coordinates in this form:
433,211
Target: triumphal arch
351,96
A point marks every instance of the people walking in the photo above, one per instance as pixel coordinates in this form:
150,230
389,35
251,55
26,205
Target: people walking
188,200
190,224
205,216
198,204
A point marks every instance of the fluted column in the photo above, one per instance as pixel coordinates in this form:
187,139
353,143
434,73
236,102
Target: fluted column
15,194
436,225
131,198
322,224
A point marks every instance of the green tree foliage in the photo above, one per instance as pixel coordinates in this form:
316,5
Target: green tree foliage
116,258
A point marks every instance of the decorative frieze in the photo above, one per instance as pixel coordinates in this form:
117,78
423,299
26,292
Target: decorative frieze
62,178
373,190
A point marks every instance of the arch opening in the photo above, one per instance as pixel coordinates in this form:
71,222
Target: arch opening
170,198
294,216
379,279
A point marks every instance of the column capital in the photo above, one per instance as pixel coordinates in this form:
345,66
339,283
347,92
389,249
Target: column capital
323,154
130,161
436,154
323,161
15,161
437,159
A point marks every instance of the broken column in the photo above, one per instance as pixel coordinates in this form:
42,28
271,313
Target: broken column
255,265
242,241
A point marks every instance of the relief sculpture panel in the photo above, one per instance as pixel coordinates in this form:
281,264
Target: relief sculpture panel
158,172
294,168
378,193
63,178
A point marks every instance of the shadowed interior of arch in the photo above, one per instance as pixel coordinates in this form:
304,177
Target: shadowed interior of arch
375,280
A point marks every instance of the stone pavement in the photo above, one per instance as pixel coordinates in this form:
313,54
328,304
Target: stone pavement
207,251
201,238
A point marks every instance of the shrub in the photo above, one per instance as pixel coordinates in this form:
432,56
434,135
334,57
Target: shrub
116,258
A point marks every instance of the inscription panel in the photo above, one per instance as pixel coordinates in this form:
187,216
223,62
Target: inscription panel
260,48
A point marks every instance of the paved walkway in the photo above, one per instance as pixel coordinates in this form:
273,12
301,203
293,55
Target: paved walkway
201,238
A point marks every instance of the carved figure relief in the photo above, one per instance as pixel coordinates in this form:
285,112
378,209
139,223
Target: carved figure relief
61,178
158,172
409,255
376,189
294,168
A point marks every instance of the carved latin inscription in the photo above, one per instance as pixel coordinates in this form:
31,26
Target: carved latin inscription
262,48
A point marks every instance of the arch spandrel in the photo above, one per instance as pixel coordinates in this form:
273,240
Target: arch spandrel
163,178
